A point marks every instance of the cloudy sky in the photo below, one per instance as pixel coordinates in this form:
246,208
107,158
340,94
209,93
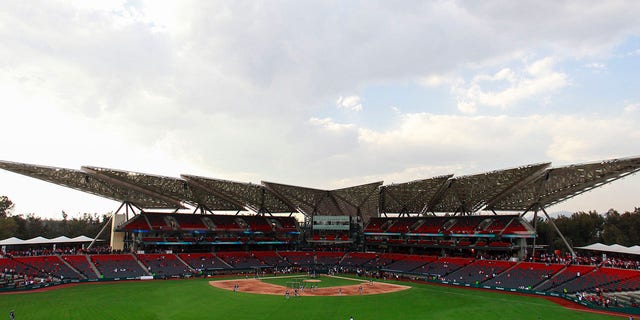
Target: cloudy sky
324,94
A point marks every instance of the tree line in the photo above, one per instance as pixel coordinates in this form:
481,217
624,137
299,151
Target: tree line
579,228
29,226
585,228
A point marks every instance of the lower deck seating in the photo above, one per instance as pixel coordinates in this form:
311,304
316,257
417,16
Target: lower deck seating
12,281
15,267
525,275
356,259
568,274
49,265
18,267
164,265
299,259
600,279
444,266
241,259
9,276
204,261
7,265
328,258
118,265
378,263
479,271
270,258
82,264
408,263
628,284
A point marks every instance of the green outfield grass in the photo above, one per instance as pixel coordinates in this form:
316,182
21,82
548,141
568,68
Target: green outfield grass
325,282
196,299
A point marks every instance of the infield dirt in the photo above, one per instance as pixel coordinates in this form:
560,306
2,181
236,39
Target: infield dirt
259,287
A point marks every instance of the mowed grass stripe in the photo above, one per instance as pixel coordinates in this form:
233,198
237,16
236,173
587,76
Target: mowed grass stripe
196,299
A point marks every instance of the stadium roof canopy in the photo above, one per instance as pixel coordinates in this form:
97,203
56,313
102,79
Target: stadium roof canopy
411,197
353,201
251,196
96,184
517,189
468,194
179,190
555,185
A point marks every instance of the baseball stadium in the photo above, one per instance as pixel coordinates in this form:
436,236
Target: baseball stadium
445,247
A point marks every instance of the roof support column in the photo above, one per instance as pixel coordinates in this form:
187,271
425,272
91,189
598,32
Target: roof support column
106,224
535,227
573,254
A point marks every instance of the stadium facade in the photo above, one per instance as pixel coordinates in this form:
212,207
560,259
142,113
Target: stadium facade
474,212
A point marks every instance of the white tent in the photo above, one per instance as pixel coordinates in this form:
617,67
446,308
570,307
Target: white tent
83,239
37,240
616,248
595,247
11,241
60,239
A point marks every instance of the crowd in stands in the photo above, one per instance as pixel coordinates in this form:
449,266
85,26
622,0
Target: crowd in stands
478,225
13,278
58,251
621,263
612,261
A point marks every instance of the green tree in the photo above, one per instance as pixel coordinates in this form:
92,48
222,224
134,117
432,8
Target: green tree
7,224
613,235
8,227
622,228
6,206
581,228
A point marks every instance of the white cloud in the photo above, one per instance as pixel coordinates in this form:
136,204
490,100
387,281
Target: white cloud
508,87
436,80
329,124
583,138
446,133
632,107
351,103
564,138
400,176
596,66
